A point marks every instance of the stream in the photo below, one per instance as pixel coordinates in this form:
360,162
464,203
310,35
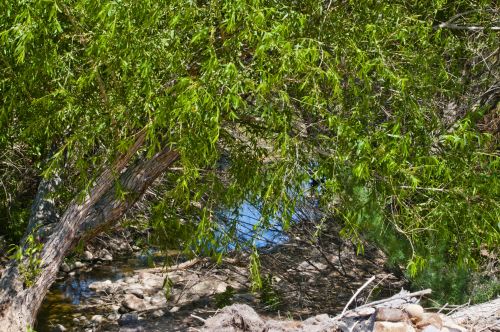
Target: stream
64,300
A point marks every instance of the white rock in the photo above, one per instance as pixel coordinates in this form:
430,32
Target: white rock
136,290
87,255
59,328
174,278
78,265
221,287
107,257
97,319
101,286
113,317
158,313
133,303
65,267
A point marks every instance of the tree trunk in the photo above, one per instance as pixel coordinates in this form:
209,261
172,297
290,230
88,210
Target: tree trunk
82,219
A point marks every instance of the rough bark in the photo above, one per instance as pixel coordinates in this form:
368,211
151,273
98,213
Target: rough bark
43,210
101,208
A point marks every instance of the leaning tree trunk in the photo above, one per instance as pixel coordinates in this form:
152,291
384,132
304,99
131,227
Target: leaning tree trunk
101,207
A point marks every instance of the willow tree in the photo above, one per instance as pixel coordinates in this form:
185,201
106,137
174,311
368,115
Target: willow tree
103,97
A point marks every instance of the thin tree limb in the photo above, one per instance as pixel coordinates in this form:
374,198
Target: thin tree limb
355,295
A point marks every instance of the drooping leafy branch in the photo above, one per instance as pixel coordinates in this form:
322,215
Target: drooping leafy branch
372,100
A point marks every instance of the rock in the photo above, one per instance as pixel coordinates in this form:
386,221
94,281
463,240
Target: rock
430,319
107,257
235,318
431,328
174,278
392,327
113,317
59,328
65,267
133,303
204,288
158,300
87,255
390,315
174,309
241,317
152,281
78,265
137,291
97,319
415,311
158,313
128,319
101,286
130,280
221,287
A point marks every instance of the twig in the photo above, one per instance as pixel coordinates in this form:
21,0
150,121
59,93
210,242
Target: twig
198,317
396,297
423,188
458,308
371,291
444,307
185,265
464,27
355,295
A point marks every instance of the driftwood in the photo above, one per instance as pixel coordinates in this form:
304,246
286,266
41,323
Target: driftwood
395,301
481,317
242,317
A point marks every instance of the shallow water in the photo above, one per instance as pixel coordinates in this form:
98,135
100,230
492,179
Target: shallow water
62,303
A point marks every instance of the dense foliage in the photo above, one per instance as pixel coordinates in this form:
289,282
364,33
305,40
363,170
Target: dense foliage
385,111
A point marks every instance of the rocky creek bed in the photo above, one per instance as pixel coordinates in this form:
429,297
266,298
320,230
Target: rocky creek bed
111,289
